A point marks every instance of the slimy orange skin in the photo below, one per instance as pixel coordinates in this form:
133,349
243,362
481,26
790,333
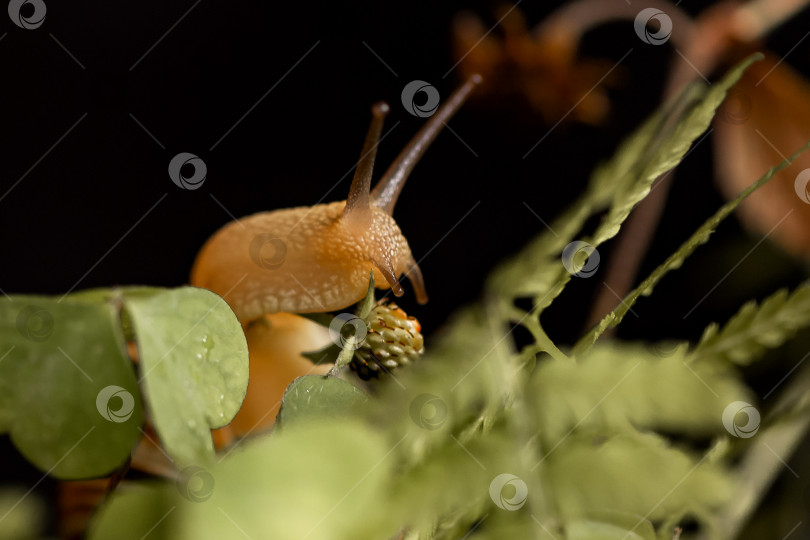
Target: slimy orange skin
312,259
325,264
275,343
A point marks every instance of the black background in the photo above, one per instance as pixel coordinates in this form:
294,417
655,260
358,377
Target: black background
70,210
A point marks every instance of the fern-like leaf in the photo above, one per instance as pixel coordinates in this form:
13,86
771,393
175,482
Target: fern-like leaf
701,236
617,185
755,328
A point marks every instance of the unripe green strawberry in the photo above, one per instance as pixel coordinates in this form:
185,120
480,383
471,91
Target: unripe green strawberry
393,340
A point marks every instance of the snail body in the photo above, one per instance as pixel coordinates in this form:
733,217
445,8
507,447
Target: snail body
319,258
303,260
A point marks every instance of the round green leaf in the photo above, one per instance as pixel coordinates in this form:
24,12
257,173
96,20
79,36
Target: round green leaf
194,366
68,394
318,396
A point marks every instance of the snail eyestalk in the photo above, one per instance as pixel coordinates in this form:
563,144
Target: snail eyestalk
387,190
357,204
391,276
414,274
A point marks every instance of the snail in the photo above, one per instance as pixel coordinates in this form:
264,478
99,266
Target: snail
319,258
272,265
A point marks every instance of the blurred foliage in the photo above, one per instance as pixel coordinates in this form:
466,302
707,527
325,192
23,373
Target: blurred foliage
746,335
74,402
478,440
616,186
21,516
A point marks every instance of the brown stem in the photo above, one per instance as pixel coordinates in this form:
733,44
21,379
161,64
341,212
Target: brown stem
711,36
698,59
385,193
575,19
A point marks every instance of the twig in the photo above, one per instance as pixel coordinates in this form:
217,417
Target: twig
711,37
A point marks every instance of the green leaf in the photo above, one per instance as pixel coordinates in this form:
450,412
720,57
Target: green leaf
68,393
618,185
596,421
115,296
282,486
454,485
369,301
700,237
659,147
317,396
63,368
637,474
615,527
675,132
141,510
747,335
194,363
22,517
655,148
620,387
